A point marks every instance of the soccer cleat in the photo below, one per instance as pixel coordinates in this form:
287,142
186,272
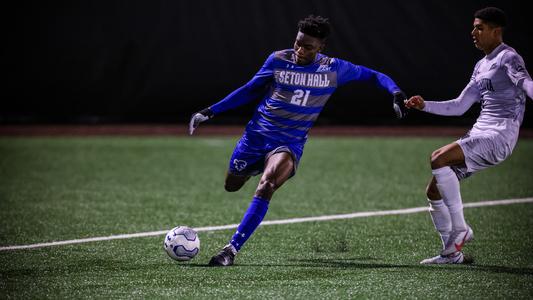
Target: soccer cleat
454,258
225,257
457,240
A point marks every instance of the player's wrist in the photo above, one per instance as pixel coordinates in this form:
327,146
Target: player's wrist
207,112
425,107
398,94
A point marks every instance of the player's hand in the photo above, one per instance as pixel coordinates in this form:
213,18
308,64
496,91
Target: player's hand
199,117
398,104
415,102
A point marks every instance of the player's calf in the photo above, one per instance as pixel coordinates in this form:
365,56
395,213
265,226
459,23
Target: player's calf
432,192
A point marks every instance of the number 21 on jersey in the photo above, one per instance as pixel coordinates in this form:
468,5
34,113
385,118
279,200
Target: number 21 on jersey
300,97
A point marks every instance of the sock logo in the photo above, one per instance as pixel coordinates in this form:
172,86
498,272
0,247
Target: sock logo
239,165
459,246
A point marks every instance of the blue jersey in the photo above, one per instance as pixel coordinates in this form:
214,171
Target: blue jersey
292,96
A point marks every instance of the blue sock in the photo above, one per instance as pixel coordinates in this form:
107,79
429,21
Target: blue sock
252,218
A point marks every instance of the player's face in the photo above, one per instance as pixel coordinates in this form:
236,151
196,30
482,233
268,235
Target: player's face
485,37
306,47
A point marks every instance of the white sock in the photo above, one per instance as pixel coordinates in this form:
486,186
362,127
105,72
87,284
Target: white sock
440,215
448,186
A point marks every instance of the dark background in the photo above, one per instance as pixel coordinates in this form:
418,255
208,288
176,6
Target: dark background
159,61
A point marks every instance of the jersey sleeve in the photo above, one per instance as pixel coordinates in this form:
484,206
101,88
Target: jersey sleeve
515,68
348,72
252,90
527,86
457,106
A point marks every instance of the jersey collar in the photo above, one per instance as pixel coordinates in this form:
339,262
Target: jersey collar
496,51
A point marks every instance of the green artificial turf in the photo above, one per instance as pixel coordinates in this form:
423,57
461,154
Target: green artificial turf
54,189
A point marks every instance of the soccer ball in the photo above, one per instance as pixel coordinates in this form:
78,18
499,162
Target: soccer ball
182,243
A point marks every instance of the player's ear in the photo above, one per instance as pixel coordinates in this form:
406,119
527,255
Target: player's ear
499,31
322,46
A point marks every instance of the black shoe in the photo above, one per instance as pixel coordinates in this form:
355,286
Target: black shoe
224,258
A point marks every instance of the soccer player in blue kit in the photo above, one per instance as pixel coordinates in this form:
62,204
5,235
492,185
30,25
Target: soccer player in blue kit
293,86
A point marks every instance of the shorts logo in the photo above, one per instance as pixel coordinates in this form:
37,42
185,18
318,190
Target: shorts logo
239,165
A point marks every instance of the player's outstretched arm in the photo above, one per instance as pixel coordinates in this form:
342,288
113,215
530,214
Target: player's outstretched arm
199,117
350,72
252,90
454,107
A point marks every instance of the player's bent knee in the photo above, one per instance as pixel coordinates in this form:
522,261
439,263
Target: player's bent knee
234,183
266,188
232,187
437,161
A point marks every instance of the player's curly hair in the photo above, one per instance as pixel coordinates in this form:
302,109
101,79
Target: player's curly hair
315,26
492,15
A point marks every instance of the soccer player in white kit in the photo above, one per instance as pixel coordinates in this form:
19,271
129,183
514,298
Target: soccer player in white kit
500,82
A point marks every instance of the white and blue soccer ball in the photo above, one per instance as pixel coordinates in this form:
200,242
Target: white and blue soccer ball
182,243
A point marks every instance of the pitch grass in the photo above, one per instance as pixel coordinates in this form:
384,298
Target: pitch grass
68,188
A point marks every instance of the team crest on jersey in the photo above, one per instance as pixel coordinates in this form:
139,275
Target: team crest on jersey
323,68
239,165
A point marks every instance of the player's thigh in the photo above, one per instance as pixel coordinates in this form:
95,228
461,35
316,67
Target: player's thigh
449,155
278,168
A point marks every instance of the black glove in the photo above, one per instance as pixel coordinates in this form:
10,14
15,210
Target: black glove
199,117
399,105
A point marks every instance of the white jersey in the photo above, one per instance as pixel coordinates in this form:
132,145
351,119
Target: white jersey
497,82
500,82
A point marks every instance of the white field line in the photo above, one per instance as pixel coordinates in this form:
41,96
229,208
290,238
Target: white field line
273,222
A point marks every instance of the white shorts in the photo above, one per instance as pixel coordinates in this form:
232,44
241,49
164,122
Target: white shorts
483,150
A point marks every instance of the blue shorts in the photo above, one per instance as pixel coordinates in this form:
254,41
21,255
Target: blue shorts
253,150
